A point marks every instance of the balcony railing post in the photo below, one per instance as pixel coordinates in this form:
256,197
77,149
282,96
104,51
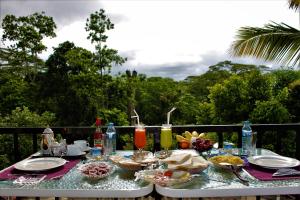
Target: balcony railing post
156,140
34,142
298,144
239,144
16,147
278,146
220,139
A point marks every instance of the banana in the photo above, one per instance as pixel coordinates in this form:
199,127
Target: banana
187,135
194,134
201,135
180,138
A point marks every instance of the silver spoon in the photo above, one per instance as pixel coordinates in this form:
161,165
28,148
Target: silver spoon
234,169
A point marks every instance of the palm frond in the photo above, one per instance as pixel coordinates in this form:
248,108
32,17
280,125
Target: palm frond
294,4
274,42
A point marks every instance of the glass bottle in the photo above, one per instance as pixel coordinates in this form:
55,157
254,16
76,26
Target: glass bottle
246,138
47,141
98,135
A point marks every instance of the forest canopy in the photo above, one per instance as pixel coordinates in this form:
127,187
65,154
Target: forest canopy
74,85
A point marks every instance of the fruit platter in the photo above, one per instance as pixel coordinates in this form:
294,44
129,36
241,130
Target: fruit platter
195,141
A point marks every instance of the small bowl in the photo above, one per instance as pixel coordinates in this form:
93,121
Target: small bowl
96,170
226,161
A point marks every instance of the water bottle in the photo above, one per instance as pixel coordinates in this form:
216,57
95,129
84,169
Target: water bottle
111,142
246,138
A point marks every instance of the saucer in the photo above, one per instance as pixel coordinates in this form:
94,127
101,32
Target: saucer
87,149
74,155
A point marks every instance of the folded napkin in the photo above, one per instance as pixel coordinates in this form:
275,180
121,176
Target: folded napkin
12,173
286,172
264,174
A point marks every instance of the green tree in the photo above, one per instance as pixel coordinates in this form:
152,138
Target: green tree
282,78
26,34
13,91
155,96
271,111
206,114
236,68
187,108
21,117
199,86
113,115
97,25
258,86
104,58
230,100
293,103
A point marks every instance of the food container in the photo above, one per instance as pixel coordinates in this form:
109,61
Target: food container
96,170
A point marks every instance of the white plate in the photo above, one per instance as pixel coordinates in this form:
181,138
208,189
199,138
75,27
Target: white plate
40,164
273,161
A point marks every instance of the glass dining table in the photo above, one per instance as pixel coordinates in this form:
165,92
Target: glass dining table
215,182
212,182
120,184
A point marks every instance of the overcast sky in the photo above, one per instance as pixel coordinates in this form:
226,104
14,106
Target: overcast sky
160,37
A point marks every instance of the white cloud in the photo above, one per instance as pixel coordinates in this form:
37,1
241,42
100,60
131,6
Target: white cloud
160,34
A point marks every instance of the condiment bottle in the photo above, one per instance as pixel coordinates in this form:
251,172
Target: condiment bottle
98,135
47,141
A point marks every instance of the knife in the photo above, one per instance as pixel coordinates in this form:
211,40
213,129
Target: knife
286,172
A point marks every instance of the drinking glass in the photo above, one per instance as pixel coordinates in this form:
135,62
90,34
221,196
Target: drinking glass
166,137
63,147
253,144
140,139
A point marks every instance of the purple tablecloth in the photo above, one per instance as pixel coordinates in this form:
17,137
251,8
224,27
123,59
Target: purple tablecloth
266,174
12,173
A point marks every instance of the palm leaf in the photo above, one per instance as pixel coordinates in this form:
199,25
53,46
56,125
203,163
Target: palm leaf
273,42
294,4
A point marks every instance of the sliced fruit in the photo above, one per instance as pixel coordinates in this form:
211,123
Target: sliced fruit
168,173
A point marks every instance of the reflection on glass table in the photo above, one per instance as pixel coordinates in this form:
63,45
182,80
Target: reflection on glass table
121,183
217,182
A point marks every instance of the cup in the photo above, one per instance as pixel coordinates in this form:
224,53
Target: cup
140,139
253,144
166,137
82,144
228,146
95,151
73,150
56,149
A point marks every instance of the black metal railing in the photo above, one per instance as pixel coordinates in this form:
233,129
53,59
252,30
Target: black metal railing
73,133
